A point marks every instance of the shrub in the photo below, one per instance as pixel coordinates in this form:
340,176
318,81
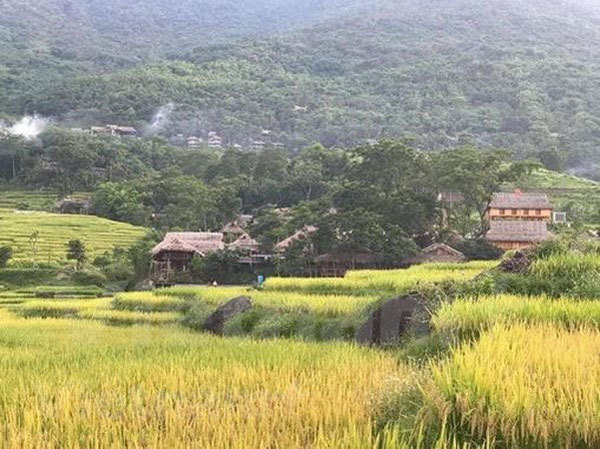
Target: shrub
89,277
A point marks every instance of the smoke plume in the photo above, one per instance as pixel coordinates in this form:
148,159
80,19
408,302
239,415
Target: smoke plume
160,119
28,127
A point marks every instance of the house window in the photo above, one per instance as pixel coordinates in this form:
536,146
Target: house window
526,212
514,211
538,211
502,211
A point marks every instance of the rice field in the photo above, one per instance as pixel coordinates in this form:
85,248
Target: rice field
521,386
366,282
28,199
124,372
467,318
55,231
329,305
69,383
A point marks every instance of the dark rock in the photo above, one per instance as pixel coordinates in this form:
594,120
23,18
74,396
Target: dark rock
407,315
215,322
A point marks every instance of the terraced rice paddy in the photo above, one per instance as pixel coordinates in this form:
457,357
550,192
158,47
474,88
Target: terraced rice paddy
30,200
522,372
79,384
55,230
366,282
520,386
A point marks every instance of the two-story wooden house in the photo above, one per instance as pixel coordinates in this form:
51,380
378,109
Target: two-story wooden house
518,220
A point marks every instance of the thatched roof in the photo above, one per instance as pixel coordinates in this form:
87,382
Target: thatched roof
303,233
233,228
518,231
200,243
436,247
520,200
245,242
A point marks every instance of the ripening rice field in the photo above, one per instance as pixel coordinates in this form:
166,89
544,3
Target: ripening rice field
55,231
366,282
520,386
80,384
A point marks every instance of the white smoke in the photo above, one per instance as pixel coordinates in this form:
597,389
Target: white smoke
28,127
160,119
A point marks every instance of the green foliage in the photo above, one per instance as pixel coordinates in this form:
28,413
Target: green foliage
76,251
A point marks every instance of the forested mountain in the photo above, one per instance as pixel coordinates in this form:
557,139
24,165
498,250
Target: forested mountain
521,74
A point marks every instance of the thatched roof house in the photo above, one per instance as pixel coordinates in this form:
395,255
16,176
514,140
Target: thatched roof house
200,243
302,234
173,256
516,234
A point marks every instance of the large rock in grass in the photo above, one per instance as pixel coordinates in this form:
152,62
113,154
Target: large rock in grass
216,322
394,320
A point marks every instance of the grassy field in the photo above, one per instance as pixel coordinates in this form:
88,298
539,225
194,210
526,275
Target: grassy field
55,231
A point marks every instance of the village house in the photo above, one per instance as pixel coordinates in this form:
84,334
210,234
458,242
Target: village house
194,143
174,254
245,244
520,206
114,130
214,140
518,220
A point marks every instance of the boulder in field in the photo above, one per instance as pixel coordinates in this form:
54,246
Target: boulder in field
215,323
396,318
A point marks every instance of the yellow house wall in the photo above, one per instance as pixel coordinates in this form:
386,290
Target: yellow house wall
494,214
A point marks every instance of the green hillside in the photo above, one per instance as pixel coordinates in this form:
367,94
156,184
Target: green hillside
55,231
520,74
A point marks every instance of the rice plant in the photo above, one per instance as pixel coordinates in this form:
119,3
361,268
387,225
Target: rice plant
147,302
329,305
467,318
76,383
369,282
524,386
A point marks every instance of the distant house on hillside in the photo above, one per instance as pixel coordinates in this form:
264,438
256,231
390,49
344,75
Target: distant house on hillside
174,254
114,130
520,206
517,234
